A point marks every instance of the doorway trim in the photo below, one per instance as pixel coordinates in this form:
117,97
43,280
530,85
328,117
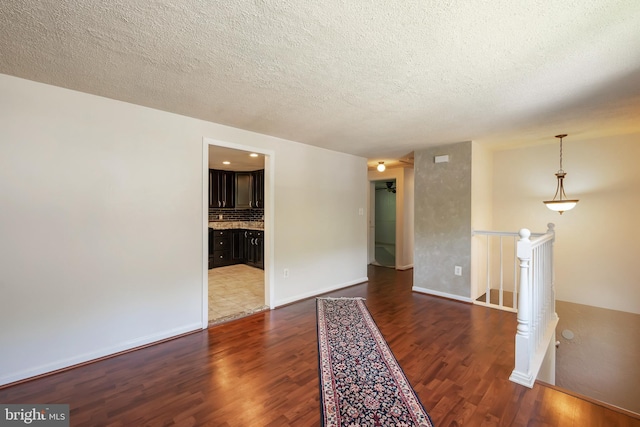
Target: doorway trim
269,163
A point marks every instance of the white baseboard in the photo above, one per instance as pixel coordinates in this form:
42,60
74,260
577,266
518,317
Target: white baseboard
320,291
404,267
441,294
93,355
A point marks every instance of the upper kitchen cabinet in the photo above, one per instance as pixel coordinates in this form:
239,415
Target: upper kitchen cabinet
249,189
257,194
221,188
244,190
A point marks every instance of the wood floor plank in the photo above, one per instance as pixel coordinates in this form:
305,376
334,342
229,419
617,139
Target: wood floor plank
263,370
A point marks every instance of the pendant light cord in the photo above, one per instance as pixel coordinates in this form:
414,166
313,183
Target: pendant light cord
561,136
560,153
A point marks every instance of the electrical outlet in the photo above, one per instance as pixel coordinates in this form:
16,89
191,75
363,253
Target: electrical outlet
286,273
457,270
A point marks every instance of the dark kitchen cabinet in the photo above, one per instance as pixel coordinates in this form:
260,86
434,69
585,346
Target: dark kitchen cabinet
212,204
244,190
211,264
228,247
254,248
228,189
258,255
222,248
221,188
249,189
238,246
257,189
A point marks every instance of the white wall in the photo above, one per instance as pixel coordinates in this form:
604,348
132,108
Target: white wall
598,242
101,224
320,235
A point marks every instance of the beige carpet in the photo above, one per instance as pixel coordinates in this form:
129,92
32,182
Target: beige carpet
601,359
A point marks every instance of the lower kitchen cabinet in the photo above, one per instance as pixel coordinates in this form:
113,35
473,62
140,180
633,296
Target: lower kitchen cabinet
228,247
238,246
211,248
222,248
254,248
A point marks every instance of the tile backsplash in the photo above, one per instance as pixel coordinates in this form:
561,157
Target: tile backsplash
236,215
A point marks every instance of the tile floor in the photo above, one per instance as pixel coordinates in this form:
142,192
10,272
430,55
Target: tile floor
235,291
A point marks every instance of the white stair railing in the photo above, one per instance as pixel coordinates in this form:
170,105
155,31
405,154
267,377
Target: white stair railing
537,318
496,269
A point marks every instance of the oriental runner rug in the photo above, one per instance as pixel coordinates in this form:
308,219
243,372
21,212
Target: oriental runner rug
361,382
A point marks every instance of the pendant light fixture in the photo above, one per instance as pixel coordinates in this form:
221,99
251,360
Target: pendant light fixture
560,203
381,167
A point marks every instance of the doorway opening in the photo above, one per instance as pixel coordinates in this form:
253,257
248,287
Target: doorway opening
385,223
236,280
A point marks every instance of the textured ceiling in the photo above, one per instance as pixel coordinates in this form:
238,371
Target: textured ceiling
377,79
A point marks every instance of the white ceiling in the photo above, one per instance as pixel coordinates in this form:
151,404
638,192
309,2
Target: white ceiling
377,79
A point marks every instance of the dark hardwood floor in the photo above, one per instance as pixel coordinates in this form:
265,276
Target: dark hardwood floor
263,370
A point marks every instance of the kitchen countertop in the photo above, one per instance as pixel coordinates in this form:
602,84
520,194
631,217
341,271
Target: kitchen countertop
243,225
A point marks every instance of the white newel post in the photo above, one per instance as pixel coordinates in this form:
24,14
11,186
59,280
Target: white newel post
522,372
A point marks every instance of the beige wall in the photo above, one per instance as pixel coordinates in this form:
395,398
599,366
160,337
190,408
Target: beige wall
597,243
102,224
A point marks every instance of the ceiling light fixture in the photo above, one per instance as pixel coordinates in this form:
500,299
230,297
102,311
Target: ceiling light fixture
562,203
253,155
381,167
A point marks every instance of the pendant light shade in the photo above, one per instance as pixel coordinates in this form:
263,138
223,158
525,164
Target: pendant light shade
560,203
